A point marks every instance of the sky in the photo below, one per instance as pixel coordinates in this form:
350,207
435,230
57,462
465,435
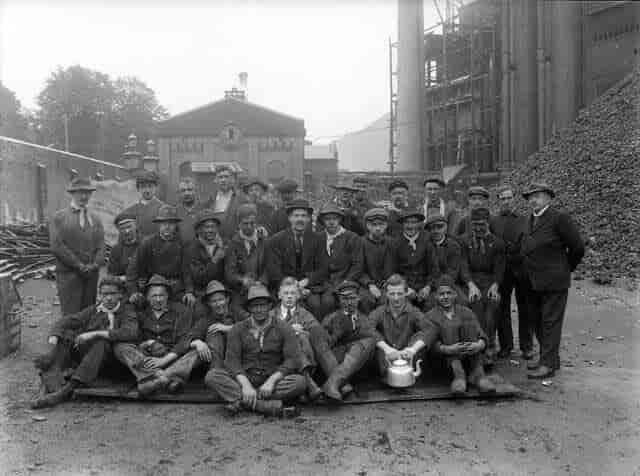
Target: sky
325,61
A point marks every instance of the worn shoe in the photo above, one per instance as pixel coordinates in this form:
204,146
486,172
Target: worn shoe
175,385
527,354
313,390
346,390
484,385
232,409
541,372
458,386
54,398
533,364
152,385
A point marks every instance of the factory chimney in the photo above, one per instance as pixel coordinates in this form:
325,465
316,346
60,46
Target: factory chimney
243,80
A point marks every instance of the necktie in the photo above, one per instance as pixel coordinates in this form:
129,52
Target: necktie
354,320
298,243
289,316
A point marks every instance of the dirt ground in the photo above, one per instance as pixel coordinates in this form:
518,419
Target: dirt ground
586,422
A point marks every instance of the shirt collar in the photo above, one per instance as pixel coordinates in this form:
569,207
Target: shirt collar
75,207
541,212
284,310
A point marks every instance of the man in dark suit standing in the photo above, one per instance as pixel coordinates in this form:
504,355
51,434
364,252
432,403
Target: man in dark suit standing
551,248
300,253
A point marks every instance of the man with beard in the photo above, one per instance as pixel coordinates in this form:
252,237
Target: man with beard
415,256
457,335
245,261
188,207
399,327
450,259
344,249
123,251
205,252
287,190
160,360
255,189
299,252
262,362
552,249
509,226
377,259
399,196
226,201
343,344
478,197
434,203
77,242
146,210
163,254
302,322
486,261
86,337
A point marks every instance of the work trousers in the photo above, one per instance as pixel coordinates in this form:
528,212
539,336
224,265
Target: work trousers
546,310
224,384
503,324
486,311
472,365
76,291
133,357
361,349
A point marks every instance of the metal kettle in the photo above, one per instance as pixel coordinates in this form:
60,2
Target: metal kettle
400,373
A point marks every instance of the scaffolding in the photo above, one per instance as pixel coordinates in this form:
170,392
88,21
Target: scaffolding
461,90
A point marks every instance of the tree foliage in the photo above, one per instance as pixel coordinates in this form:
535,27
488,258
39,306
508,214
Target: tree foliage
13,121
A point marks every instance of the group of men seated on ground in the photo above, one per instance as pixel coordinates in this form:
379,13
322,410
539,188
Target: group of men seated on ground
268,306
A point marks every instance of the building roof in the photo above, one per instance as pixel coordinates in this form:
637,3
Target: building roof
251,119
317,152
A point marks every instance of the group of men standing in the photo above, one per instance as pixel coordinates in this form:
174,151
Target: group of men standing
267,298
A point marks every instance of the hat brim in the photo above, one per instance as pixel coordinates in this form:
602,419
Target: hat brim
419,216
528,193
309,210
434,180
434,221
81,189
224,290
160,220
332,212
268,297
196,224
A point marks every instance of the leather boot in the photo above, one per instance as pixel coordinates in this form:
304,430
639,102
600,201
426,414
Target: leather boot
313,390
349,366
346,389
459,383
479,380
326,360
54,398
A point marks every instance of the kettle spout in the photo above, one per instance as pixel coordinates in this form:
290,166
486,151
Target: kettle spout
418,370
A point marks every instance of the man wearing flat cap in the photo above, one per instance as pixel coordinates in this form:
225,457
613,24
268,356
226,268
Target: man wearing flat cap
163,254
86,338
255,190
486,262
344,343
287,190
245,261
399,198
434,203
146,210
206,252
159,358
378,259
299,252
77,242
477,197
552,248
124,250
344,249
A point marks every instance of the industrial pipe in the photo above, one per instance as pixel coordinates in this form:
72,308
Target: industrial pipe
541,79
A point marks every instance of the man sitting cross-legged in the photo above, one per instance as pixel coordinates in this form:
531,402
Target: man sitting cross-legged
86,336
459,337
261,363
159,361
344,342
399,327
302,322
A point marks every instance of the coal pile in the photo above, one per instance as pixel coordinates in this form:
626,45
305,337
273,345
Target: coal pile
594,167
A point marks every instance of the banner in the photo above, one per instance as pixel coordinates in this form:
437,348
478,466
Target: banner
109,199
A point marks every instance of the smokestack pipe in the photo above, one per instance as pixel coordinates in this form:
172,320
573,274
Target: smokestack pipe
243,79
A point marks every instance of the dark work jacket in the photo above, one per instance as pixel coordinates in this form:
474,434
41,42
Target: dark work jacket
279,220
203,268
353,222
145,214
551,251
378,261
238,263
187,232
510,228
451,260
120,257
166,258
205,318
394,227
172,329
74,246
419,267
281,260
345,261
341,330
125,327
228,219
488,268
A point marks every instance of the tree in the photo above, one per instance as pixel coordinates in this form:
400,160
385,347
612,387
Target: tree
13,122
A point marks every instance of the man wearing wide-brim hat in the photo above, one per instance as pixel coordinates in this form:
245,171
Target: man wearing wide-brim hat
160,358
206,252
287,190
299,252
552,248
255,189
435,204
262,361
77,242
128,242
477,197
146,210
163,254
344,249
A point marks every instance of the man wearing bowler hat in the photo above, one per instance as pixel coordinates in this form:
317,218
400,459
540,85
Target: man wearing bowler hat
255,190
164,254
206,252
478,197
299,252
77,242
146,210
552,248
128,241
